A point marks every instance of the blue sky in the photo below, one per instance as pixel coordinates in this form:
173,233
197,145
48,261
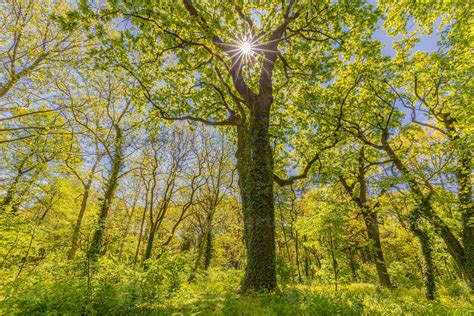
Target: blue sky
426,43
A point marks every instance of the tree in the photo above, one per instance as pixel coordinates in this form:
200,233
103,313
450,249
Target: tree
33,158
113,105
173,157
31,40
435,89
201,64
358,189
218,178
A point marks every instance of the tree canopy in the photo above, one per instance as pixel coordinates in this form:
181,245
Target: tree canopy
153,149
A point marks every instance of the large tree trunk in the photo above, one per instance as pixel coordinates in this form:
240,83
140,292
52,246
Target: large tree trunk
97,240
255,167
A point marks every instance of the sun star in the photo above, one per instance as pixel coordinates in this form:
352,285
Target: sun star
246,48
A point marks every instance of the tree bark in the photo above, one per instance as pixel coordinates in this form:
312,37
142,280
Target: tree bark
297,257
423,207
209,250
373,234
205,243
256,182
333,258
77,226
463,175
8,199
370,220
427,253
97,240
142,223
464,188
82,210
150,240
11,192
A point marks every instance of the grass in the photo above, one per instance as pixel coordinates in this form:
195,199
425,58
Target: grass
214,293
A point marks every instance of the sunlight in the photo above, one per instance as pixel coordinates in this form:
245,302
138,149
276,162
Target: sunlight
246,48
236,157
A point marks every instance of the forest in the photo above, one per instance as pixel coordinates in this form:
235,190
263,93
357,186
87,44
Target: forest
236,157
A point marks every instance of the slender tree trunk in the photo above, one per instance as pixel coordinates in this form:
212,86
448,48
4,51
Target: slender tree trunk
467,212
82,210
209,249
77,226
427,253
454,247
423,207
25,258
297,257
352,263
201,249
205,244
209,236
318,259
373,234
150,240
306,264
9,196
155,226
127,227
333,258
285,237
8,199
464,188
306,259
142,223
370,220
97,240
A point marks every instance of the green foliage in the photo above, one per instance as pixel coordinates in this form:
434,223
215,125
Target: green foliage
350,158
112,288
162,289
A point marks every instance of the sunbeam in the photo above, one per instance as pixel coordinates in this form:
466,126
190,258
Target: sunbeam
246,48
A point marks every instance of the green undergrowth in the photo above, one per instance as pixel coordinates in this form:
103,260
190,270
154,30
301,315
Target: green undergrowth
165,289
215,297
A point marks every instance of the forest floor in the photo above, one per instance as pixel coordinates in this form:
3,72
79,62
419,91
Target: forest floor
214,293
217,297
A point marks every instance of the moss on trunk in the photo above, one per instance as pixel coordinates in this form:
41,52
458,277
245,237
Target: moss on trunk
110,186
255,166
